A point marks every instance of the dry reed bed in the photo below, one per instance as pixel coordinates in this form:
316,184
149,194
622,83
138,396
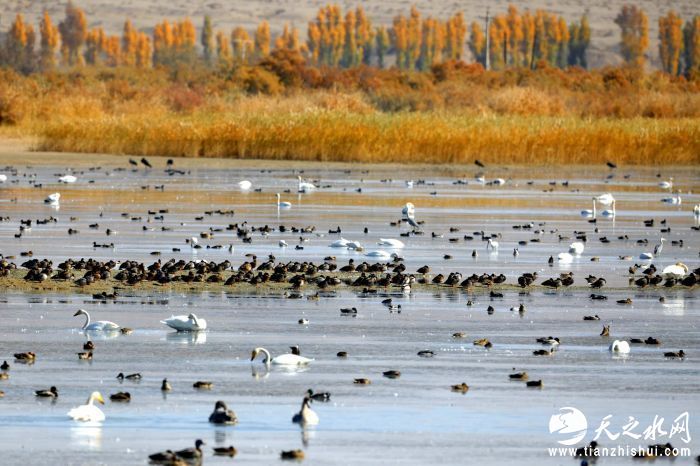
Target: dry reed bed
375,137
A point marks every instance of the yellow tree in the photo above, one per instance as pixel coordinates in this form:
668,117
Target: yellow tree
262,40
49,42
113,51
456,32
313,43
499,40
564,36
527,48
73,31
94,46
670,42
223,49
634,30
399,40
415,36
350,57
163,42
516,35
365,35
477,43
691,41
130,38
16,43
383,43
242,45
144,51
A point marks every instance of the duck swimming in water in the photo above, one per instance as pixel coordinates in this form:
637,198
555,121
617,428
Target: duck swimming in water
222,415
50,393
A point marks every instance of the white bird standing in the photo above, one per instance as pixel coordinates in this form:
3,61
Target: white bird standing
576,248
589,213
657,251
391,242
89,412
283,204
619,346
305,186
67,179
491,244
244,185
185,323
99,326
54,198
409,210
605,199
287,359
283,244
306,416
696,210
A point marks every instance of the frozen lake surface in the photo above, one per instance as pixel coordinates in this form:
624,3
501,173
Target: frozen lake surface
415,419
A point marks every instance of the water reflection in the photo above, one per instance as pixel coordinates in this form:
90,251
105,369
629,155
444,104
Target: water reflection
88,435
187,338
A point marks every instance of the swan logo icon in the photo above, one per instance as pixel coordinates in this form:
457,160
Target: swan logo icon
569,424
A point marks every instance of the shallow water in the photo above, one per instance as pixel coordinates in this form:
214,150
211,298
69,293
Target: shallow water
411,420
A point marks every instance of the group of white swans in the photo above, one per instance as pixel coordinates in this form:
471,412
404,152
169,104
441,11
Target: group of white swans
606,199
303,187
181,323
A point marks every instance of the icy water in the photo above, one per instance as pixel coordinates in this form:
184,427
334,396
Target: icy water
415,419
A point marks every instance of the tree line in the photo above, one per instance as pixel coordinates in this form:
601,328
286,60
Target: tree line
347,40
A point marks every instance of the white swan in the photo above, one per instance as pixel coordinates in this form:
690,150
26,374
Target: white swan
666,184
589,213
305,186
696,210
306,416
282,243
287,359
394,243
499,181
409,184
354,245
657,251
673,200
339,243
619,346
245,185
185,323
381,254
67,179
53,198
605,199
99,326
678,270
609,213
283,204
576,248
491,244
89,412
3,178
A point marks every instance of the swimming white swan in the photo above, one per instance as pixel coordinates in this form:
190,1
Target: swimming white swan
185,323
589,213
678,270
244,185
339,243
306,416
67,179
666,184
305,186
605,199
394,243
282,243
673,200
283,204
53,198
354,245
89,412
491,244
576,248
99,326
381,254
287,359
3,178
619,346
609,213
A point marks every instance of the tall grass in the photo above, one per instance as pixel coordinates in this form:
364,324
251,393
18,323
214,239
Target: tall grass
336,135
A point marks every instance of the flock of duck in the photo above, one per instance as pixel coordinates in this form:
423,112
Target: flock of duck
380,269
